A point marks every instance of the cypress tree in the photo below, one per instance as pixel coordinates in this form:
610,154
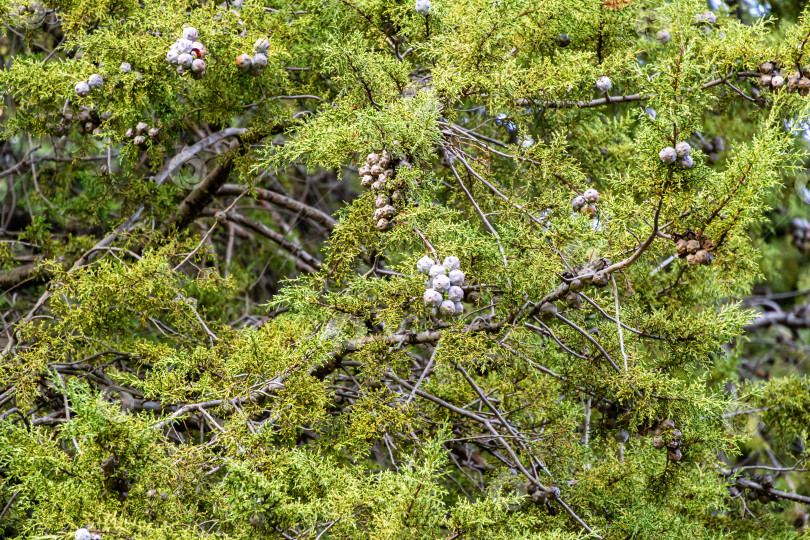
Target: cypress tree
450,269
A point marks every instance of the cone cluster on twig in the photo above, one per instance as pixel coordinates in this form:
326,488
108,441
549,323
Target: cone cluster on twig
585,203
799,81
83,88
443,291
256,63
574,283
141,133
752,494
695,250
87,119
187,53
680,155
542,496
378,174
771,77
666,435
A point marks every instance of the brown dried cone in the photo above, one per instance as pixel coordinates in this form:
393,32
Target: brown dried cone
383,224
793,81
573,300
600,279
576,286
673,444
681,247
674,454
695,250
803,86
701,257
386,212
658,442
380,200
548,311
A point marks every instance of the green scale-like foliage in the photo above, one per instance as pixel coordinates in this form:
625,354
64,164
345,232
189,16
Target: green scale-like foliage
170,372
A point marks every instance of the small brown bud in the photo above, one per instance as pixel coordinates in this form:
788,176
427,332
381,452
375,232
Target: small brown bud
383,224
692,246
674,454
658,442
220,216
681,247
576,285
668,424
